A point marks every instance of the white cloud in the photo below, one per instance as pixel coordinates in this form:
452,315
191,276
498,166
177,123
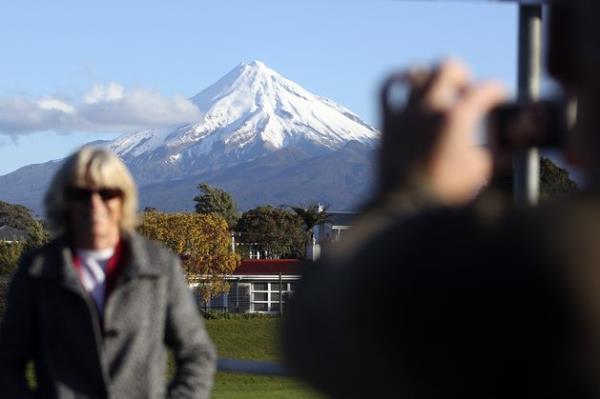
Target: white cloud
19,115
104,93
103,108
53,103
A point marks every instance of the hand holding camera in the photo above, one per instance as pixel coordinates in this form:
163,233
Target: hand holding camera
428,142
429,133
525,125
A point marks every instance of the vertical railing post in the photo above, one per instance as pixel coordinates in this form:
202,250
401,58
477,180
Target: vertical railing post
280,295
526,163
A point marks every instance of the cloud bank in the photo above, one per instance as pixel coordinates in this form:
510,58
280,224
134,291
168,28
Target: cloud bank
104,108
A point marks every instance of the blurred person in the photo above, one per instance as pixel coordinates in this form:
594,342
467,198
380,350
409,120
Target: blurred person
429,156
453,301
95,308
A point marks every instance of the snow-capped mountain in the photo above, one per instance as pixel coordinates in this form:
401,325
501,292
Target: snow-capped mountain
260,136
247,114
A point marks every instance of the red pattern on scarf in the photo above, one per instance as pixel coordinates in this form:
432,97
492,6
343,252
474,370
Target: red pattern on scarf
113,269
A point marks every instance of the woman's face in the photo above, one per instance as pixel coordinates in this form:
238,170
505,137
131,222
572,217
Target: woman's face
95,214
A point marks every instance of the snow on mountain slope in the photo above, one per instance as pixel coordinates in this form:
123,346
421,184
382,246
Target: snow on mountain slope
138,143
259,135
249,112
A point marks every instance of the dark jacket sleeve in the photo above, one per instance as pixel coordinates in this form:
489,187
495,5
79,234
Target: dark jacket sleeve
315,332
194,352
17,339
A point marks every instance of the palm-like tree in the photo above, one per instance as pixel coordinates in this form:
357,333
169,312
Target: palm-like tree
312,215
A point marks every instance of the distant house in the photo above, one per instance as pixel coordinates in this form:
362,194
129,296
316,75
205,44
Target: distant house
263,285
259,286
334,228
12,235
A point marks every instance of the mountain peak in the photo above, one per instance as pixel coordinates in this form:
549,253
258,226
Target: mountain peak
248,113
252,70
249,76
254,125
253,64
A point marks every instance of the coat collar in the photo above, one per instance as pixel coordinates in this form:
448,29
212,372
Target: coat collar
55,261
140,263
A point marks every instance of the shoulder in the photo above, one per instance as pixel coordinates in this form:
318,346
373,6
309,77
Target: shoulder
45,260
151,255
51,247
572,227
151,247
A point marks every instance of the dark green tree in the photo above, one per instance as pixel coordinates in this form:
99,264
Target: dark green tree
16,216
277,232
213,200
19,217
554,181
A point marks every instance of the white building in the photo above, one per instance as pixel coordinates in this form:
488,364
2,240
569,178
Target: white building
259,286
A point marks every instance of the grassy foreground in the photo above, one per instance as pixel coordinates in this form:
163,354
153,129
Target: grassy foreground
252,339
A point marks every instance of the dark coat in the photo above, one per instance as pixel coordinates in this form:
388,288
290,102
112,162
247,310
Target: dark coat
461,303
53,321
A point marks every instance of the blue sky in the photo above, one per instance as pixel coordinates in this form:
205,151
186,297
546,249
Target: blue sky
71,51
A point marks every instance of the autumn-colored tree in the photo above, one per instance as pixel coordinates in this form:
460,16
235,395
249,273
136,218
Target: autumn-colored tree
9,256
202,241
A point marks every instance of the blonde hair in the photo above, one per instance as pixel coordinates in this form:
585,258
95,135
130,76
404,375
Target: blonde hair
90,167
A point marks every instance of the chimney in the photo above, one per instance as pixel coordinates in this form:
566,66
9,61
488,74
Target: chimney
313,250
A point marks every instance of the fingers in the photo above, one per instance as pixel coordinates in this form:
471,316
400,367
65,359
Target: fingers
480,99
483,97
430,132
402,88
447,85
433,90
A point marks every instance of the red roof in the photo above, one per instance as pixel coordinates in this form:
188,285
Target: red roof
269,266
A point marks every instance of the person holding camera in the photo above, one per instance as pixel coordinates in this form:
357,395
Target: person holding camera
457,299
96,308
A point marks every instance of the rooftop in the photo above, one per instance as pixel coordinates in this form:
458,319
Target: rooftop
269,267
341,218
8,233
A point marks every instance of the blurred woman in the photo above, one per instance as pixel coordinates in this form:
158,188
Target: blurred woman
95,308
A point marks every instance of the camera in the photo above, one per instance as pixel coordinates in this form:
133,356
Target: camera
523,125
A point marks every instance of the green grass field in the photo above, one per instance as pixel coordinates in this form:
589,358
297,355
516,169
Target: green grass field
252,339
249,339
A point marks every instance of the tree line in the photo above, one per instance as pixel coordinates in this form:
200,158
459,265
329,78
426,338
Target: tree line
277,232
204,239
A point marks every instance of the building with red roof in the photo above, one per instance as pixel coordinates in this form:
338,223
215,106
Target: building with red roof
269,267
259,286
263,285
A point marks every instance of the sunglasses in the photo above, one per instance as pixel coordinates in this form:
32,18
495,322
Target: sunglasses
79,194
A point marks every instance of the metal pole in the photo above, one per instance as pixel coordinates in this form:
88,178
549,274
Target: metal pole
237,295
280,296
526,163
